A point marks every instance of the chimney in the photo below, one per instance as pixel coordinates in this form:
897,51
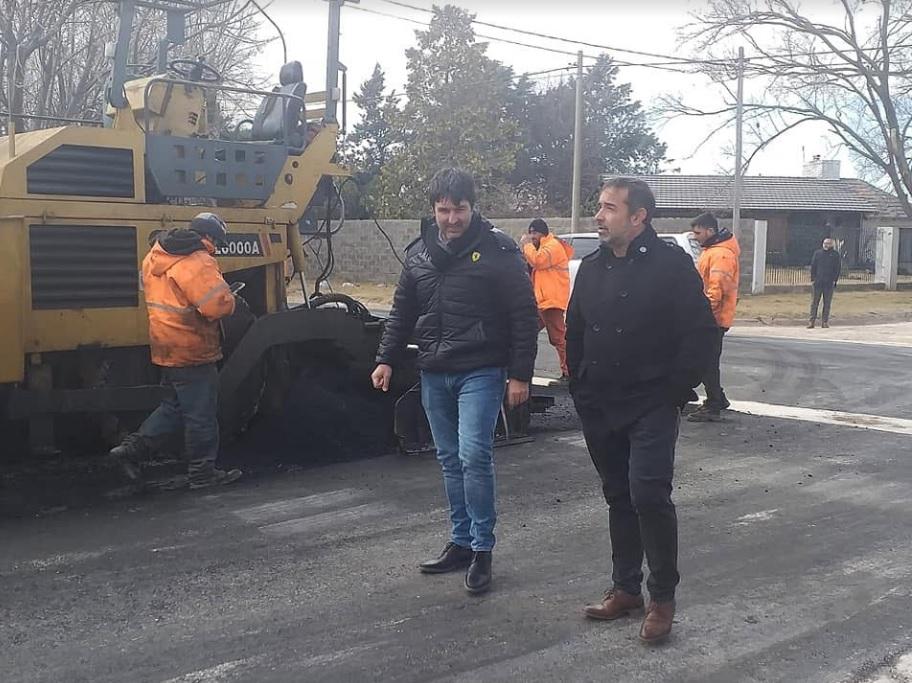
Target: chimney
826,169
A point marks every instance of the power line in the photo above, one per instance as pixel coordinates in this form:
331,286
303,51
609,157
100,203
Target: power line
425,24
661,66
536,34
672,59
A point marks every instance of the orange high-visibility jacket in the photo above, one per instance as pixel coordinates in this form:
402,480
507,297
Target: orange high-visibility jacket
719,268
550,265
186,295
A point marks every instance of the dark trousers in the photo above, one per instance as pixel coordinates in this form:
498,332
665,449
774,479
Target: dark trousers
636,466
712,380
193,410
825,291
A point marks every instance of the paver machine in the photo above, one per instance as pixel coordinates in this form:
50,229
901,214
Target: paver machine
79,205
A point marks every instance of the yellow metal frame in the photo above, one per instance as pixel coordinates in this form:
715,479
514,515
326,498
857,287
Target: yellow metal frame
28,331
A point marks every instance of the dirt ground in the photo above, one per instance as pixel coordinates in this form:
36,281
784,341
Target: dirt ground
848,307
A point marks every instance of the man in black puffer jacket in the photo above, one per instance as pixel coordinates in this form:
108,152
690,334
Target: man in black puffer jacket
640,337
466,299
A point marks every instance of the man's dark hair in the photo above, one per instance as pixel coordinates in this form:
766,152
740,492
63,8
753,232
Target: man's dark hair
705,220
639,195
454,184
538,225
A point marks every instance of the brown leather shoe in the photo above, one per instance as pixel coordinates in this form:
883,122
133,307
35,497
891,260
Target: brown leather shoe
657,624
614,605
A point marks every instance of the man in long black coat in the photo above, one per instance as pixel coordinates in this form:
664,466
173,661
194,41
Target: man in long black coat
640,335
826,265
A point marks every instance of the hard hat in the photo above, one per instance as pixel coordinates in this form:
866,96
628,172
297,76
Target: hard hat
212,226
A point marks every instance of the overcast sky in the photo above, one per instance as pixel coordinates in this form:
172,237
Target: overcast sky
647,25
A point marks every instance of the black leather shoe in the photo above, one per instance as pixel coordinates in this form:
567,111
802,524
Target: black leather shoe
478,577
452,558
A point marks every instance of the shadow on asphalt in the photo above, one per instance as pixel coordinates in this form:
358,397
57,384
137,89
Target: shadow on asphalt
325,420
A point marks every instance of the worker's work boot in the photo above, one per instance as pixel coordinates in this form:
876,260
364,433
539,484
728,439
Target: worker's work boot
825,324
214,478
454,557
657,624
811,325
614,605
129,453
705,415
478,576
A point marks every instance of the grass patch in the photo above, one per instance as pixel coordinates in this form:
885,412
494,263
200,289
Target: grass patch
846,306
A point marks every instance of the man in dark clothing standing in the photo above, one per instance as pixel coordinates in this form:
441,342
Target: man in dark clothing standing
826,265
640,337
465,297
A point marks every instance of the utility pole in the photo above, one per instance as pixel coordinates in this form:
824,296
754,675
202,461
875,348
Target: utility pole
333,94
739,122
11,122
115,95
577,147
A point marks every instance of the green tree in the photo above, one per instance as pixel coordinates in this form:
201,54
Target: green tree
616,138
369,146
456,113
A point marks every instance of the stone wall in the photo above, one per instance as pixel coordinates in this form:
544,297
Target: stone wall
363,255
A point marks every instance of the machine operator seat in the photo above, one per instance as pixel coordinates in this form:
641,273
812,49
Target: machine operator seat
281,119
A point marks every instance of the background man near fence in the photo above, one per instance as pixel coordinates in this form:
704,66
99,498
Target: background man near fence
465,297
549,258
720,271
826,264
639,338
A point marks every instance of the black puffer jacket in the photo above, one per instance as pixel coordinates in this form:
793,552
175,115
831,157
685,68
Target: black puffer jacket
639,328
467,306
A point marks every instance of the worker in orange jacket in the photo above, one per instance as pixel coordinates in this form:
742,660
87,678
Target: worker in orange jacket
186,296
549,259
720,270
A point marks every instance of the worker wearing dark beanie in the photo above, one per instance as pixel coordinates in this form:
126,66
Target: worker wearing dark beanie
538,225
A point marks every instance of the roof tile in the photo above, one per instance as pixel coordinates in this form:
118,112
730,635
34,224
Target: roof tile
703,192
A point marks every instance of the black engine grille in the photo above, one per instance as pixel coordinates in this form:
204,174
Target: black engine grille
83,170
83,266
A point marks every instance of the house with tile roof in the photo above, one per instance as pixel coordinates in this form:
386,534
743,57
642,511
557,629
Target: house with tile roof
799,212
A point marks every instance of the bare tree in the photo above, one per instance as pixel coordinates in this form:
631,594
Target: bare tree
52,52
26,27
853,74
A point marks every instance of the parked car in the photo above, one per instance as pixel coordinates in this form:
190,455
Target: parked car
584,243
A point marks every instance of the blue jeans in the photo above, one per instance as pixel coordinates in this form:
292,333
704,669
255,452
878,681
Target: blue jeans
462,409
194,410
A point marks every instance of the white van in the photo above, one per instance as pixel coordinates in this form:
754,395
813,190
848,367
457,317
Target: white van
584,243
